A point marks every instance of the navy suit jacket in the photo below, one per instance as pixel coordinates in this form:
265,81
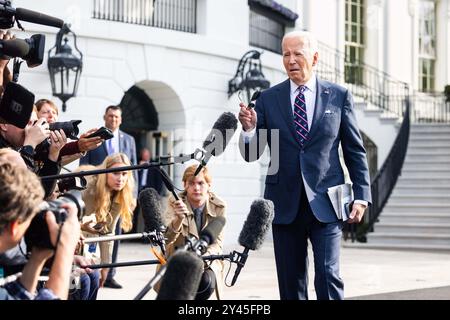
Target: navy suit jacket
127,146
316,164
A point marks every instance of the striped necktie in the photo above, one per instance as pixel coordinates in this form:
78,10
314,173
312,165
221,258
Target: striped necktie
300,117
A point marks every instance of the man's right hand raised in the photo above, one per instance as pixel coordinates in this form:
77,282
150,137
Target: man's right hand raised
247,117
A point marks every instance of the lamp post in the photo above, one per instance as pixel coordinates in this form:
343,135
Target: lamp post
249,76
64,67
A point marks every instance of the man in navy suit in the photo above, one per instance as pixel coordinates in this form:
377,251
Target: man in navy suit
312,118
121,142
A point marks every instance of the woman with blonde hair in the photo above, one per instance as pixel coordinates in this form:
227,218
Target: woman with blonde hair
109,199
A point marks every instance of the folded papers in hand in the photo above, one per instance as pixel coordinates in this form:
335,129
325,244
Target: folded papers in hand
341,197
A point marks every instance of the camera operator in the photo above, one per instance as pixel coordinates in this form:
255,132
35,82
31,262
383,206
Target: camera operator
73,150
25,141
5,74
20,196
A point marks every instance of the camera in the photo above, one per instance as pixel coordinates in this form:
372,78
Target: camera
31,50
37,234
70,129
74,183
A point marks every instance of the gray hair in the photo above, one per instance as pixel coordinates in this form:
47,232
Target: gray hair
307,36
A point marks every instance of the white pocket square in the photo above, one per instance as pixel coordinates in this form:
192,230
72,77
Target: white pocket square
328,112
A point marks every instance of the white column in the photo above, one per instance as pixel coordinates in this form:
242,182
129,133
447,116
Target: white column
412,10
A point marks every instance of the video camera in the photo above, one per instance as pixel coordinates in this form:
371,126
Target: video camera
37,234
31,50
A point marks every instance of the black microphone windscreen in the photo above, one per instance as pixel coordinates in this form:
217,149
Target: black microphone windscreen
257,224
37,17
182,277
15,48
221,134
212,230
16,105
151,208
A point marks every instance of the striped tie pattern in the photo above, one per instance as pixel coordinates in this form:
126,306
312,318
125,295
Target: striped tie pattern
300,117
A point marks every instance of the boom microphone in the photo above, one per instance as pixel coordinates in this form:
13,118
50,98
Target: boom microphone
152,214
38,18
254,231
219,137
167,182
207,237
182,277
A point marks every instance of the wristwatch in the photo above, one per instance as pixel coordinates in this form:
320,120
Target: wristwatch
29,150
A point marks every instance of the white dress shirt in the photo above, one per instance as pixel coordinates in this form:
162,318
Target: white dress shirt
114,143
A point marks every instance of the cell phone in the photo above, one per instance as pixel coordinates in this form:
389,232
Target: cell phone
99,225
103,133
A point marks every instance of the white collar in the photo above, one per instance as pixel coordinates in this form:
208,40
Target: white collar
310,85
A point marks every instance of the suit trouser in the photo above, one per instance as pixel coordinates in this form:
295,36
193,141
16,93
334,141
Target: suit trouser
118,231
291,256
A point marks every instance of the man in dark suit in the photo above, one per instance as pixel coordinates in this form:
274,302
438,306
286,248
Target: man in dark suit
150,177
121,142
312,118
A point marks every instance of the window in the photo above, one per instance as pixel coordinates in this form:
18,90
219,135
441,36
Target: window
268,20
427,45
265,33
180,15
354,41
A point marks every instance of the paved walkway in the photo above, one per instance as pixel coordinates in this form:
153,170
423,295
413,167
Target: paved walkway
367,273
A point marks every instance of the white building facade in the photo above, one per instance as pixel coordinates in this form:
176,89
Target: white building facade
184,73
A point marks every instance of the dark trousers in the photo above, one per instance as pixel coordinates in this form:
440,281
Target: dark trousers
89,284
112,271
291,256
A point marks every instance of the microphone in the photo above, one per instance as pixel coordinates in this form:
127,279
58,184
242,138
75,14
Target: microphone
16,105
207,236
152,214
38,18
167,182
219,137
254,231
182,277
255,96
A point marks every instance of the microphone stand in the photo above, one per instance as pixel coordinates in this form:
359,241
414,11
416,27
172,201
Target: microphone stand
190,246
155,237
198,155
150,262
152,236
